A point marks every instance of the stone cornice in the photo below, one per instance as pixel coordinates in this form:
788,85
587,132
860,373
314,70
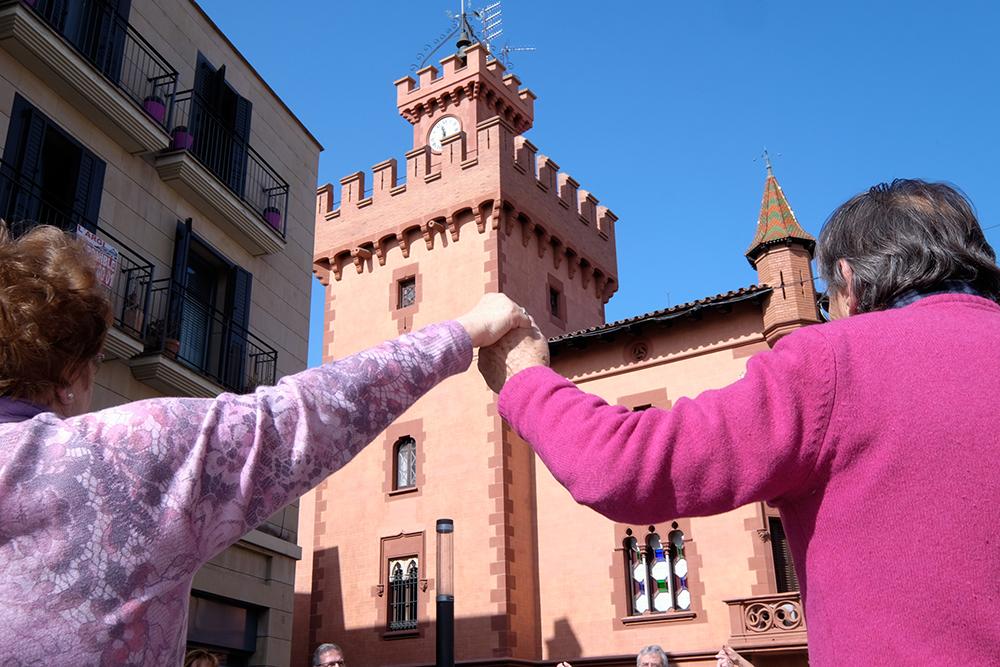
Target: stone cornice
182,171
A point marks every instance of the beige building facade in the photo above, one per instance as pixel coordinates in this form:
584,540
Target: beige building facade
539,579
139,126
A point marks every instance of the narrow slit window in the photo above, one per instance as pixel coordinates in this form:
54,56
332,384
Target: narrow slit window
555,302
407,292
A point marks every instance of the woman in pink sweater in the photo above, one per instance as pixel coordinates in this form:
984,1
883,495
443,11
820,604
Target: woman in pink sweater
876,435
105,517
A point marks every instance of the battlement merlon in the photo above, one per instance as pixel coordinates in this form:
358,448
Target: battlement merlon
503,185
479,78
420,174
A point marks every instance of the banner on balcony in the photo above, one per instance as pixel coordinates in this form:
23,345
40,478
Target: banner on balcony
105,256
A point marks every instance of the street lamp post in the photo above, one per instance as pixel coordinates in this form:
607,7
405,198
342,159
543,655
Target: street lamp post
445,593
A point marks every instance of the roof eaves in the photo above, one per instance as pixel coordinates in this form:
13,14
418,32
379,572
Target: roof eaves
754,292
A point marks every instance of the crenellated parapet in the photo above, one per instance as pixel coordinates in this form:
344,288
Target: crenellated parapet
504,186
474,78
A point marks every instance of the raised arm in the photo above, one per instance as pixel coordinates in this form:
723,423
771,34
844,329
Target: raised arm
757,439
212,469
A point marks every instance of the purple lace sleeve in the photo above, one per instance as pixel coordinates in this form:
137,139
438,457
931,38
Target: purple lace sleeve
215,468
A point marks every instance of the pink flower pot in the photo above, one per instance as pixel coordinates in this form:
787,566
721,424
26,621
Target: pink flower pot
156,109
181,139
273,217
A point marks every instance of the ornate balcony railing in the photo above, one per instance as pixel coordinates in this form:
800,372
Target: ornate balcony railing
764,620
199,131
185,328
104,38
127,275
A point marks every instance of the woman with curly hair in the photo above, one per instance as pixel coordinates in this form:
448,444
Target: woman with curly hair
105,517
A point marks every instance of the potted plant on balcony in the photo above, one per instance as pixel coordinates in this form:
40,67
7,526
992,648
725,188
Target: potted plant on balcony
272,215
181,139
160,338
155,107
132,316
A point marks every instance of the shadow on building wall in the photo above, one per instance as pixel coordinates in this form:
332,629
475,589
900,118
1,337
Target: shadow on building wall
322,619
563,641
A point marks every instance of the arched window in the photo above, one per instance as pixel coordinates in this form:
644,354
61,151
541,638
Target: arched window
403,575
657,573
637,574
406,463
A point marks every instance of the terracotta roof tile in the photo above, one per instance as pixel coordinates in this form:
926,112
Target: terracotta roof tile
777,222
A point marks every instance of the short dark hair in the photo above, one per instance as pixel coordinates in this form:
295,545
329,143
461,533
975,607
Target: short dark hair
904,235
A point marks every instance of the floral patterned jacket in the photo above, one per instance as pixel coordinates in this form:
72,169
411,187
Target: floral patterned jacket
105,518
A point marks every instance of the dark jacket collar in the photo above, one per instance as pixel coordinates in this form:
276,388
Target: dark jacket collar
14,410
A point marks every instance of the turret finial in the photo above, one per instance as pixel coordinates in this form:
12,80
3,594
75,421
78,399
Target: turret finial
767,161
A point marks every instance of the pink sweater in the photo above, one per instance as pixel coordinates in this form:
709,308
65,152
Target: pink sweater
877,437
105,518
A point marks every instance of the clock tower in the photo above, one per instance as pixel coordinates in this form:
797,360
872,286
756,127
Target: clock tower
475,209
456,98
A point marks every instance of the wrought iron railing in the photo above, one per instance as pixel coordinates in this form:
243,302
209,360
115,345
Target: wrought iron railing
230,158
106,39
185,328
127,275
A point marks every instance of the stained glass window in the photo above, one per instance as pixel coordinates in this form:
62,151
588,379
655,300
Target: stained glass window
657,573
679,570
635,563
403,574
406,463
407,292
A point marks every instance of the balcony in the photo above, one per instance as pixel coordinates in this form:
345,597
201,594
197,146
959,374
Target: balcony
127,275
98,62
210,163
764,622
192,349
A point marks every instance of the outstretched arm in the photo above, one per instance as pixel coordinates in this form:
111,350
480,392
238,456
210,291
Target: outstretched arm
757,439
212,469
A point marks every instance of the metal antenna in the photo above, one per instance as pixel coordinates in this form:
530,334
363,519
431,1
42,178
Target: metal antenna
508,49
490,20
491,24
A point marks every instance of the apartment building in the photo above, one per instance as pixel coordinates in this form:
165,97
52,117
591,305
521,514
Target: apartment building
139,126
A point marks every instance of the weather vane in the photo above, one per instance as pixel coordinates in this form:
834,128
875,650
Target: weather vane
766,157
490,27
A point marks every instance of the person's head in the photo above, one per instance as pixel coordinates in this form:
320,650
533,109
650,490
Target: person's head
328,655
651,656
54,317
901,236
200,658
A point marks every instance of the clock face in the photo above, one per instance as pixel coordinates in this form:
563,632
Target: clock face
441,130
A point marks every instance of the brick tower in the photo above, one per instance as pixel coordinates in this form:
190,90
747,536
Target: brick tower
479,210
782,252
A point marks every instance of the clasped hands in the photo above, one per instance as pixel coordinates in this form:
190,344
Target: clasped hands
508,339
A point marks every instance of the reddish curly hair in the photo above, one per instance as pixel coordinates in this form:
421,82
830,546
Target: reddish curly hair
54,315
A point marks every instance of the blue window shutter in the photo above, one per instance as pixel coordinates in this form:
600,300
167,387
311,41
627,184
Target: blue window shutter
89,188
238,347
242,284
25,203
178,274
241,140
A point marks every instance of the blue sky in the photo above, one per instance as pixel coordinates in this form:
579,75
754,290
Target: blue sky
660,108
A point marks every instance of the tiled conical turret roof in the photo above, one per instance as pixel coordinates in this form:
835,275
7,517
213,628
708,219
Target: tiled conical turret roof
777,223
